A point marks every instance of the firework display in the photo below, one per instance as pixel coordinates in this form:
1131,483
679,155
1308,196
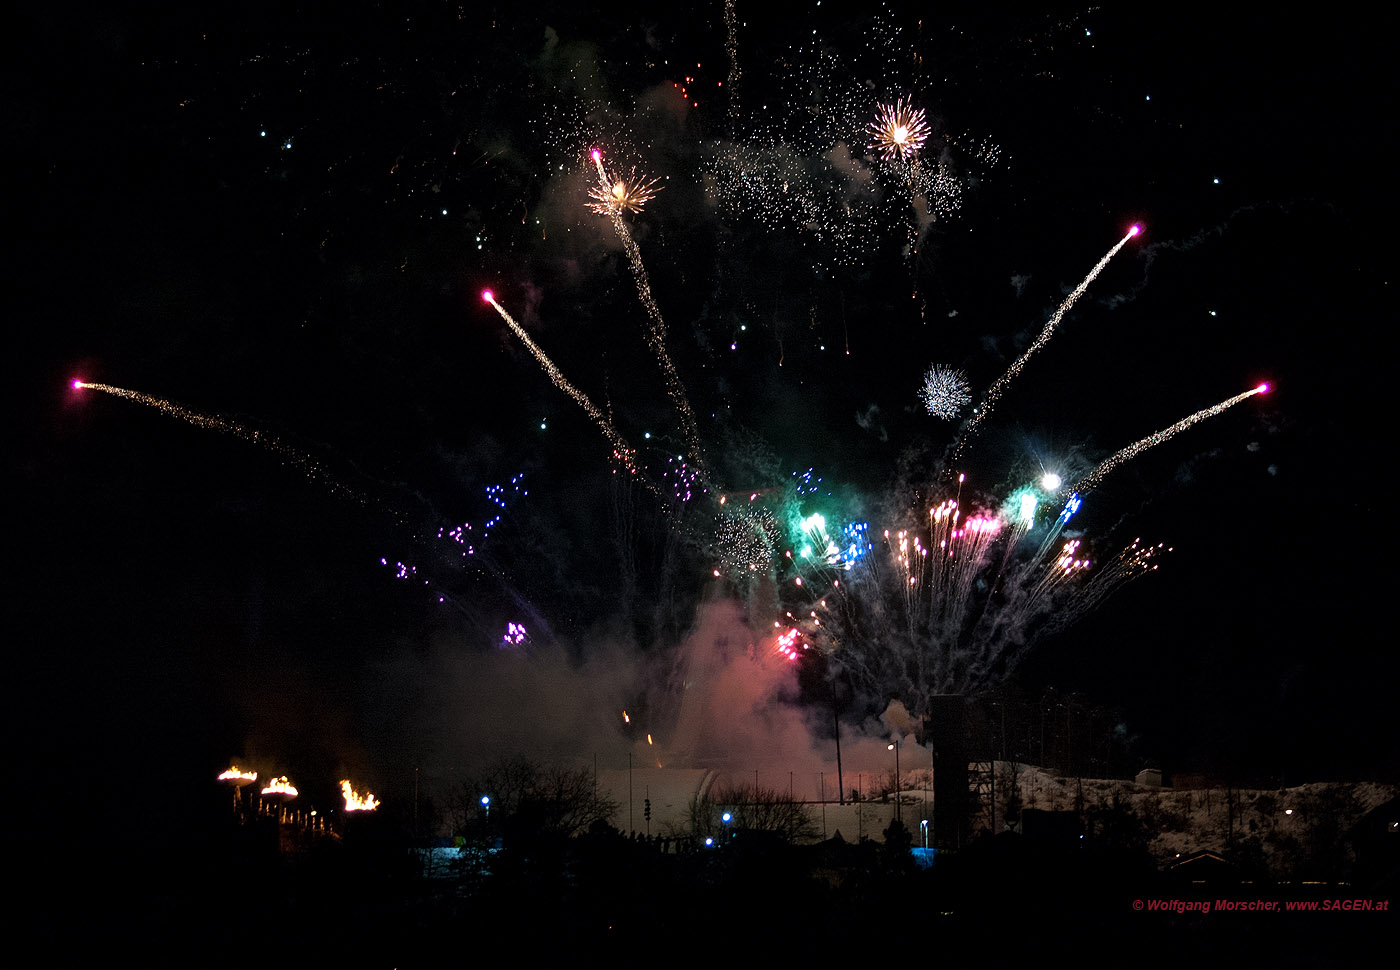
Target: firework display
959,601
307,465
945,392
1156,438
744,539
731,45
1136,559
791,225
899,131
622,452
949,605
622,197
998,387
614,196
807,159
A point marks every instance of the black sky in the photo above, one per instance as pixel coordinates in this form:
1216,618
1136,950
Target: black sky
184,596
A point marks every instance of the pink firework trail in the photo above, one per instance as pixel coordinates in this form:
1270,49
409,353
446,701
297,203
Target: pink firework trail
1138,447
306,464
621,450
999,386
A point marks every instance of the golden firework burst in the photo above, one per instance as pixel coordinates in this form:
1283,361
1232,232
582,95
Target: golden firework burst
622,195
899,130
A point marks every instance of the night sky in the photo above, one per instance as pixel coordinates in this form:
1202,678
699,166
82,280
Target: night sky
285,218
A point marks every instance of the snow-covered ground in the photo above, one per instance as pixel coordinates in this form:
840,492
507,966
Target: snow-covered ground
1183,821
1176,822
672,791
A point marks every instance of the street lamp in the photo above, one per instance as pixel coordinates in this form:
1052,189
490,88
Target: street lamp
894,746
486,804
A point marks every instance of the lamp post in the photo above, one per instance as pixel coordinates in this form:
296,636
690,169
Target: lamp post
894,746
486,804
933,784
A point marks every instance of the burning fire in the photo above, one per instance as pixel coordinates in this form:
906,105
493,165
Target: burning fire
281,786
238,776
354,802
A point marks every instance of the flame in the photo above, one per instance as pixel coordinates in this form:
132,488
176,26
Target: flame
237,774
281,786
354,802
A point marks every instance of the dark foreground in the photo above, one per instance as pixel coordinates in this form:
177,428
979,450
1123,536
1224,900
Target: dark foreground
241,896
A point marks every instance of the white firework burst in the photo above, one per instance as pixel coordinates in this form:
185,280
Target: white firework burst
744,540
945,392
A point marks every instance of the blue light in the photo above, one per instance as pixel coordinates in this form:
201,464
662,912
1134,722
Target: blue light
856,544
1071,507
